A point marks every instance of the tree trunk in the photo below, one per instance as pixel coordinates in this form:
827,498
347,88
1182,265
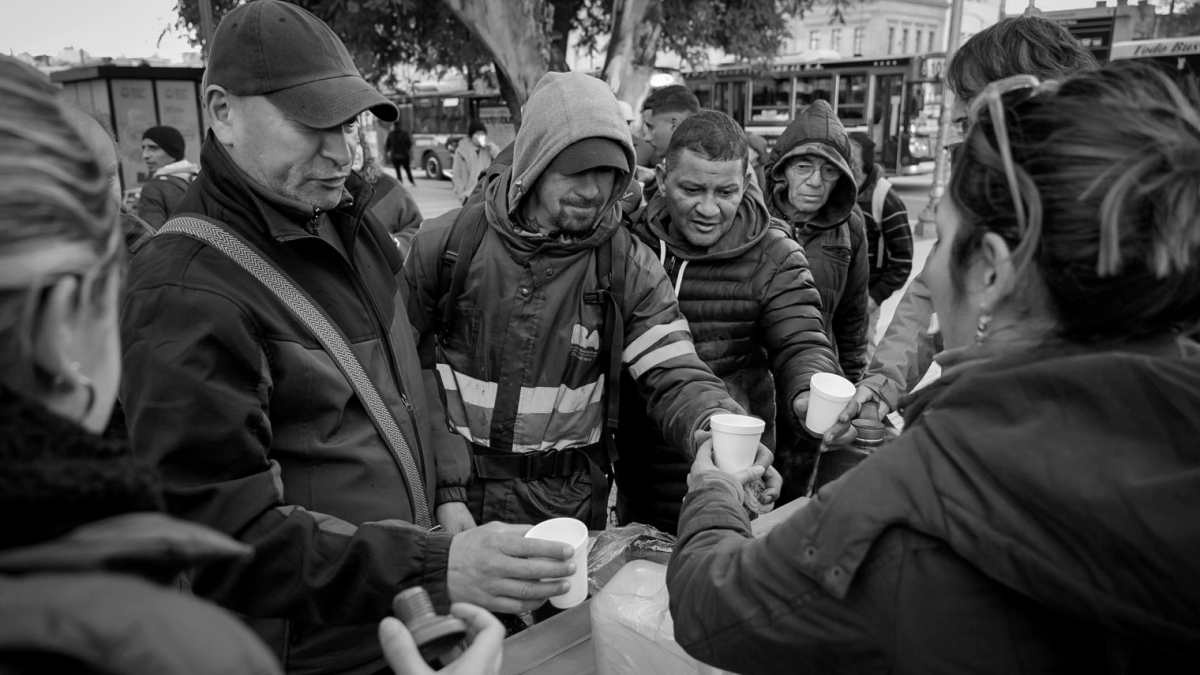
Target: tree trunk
632,49
514,31
560,31
510,95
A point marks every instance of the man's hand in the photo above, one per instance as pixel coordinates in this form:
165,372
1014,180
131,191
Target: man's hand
842,433
485,634
454,517
496,567
761,469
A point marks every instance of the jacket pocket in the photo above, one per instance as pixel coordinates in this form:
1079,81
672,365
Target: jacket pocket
462,335
837,254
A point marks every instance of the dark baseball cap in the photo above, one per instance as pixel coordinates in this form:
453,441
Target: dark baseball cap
589,154
282,52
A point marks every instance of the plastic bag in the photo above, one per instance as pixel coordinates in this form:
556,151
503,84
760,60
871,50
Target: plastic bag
632,629
613,548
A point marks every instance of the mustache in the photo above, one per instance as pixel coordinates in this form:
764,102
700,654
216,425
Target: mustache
583,203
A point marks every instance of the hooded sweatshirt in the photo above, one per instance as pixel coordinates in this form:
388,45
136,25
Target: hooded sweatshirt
834,239
756,319
520,363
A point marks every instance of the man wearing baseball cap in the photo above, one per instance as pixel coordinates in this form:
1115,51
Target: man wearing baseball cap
532,301
251,422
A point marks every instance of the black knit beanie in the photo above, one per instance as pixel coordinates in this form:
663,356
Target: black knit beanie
167,138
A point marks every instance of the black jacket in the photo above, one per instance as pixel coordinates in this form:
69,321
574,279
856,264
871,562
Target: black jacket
258,434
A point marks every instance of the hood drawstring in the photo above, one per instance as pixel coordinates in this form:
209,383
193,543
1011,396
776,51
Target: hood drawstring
662,259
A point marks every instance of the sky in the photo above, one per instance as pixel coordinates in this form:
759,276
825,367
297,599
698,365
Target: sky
132,28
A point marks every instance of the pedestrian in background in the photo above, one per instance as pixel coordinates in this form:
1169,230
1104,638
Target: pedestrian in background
473,155
390,201
163,151
399,144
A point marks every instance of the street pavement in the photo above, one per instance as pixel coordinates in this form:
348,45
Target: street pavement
435,197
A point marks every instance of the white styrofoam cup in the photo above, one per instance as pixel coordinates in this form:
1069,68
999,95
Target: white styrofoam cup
828,396
735,440
573,533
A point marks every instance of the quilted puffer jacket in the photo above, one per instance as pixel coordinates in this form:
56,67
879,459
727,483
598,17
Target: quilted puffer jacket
755,317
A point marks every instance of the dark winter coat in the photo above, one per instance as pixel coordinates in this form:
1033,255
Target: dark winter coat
520,361
86,571
258,433
755,318
889,241
162,194
834,240
1037,515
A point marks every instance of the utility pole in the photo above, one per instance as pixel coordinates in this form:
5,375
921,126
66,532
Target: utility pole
206,27
941,166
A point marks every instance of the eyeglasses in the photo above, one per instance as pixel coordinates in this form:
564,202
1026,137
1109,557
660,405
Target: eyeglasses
802,170
992,99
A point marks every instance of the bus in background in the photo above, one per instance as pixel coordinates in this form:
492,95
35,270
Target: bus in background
895,100
1182,53
439,119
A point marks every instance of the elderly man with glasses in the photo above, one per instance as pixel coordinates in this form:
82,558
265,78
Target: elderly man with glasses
809,185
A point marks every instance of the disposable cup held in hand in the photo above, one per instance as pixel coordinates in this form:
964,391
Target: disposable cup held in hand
735,440
573,533
828,396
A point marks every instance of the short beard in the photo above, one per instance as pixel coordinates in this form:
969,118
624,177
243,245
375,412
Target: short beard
573,225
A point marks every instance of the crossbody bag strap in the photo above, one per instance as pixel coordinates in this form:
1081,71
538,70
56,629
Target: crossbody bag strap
307,312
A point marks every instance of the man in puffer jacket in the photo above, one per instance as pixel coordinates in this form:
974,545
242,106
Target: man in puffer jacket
811,187
520,347
743,285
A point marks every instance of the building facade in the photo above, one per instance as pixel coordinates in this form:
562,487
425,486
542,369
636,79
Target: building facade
879,28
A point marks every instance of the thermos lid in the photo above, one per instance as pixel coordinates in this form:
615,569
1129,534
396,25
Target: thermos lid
869,431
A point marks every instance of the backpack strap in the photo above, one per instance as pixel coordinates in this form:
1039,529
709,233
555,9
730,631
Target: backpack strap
466,234
882,187
215,234
610,290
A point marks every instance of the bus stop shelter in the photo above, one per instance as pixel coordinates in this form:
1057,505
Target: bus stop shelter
131,99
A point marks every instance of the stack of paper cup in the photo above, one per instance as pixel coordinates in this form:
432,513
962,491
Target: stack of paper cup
573,533
828,397
735,440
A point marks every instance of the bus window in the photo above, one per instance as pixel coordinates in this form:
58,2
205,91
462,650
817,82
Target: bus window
852,100
454,116
809,89
771,100
426,115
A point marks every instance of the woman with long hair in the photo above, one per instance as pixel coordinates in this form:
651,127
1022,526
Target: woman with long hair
1037,515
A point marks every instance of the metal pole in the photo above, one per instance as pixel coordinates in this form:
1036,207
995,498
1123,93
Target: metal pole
941,167
206,27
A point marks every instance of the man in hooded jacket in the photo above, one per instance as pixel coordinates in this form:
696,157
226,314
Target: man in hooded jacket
811,187
520,361
743,285
821,209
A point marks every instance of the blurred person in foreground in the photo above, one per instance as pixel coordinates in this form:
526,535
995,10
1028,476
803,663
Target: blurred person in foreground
743,286
1037,515
87,559
254,426
1023,45
889,236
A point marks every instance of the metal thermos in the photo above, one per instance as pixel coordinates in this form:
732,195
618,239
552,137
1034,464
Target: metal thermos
832,463
437,636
